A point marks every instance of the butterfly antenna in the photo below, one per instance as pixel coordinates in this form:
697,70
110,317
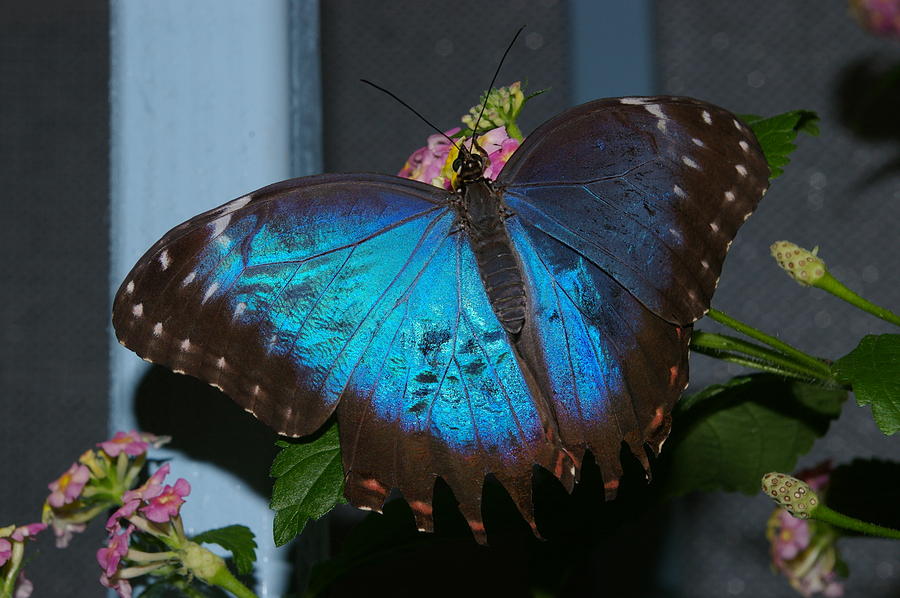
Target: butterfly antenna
491,86
411,109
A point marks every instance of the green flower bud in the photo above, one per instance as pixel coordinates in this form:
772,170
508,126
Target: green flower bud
793,495
201,562
803,266
501,108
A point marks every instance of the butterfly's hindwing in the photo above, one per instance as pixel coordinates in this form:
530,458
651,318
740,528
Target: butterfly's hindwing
612,369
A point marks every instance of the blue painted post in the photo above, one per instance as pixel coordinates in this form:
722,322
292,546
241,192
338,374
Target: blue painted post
201,113
612,49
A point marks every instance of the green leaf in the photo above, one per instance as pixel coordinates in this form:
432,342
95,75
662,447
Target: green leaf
873,370
238,540
776,135
309,482
727,436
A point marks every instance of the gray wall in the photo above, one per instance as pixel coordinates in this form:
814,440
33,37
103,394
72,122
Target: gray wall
54,172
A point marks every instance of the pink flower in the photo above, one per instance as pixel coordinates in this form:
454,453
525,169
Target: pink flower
151,488
131,444
425,164
5,551
64,530
69,485
165,506
123,512
121,586
817,477
111,555
499,146
881,17
792,536
24,587
28,531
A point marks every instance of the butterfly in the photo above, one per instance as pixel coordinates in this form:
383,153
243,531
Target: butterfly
458,333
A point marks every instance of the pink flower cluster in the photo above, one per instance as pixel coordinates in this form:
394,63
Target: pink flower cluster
881,17
432,164
154,502
11,558
803,550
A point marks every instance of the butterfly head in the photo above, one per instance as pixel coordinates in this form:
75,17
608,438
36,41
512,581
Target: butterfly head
469,164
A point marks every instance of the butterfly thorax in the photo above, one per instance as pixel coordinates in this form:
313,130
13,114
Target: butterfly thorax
481,214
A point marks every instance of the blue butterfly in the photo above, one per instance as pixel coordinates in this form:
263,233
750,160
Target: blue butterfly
505,324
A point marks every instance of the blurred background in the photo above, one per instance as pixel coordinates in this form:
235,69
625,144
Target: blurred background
119,120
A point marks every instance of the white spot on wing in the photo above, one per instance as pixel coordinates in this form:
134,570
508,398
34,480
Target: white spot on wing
189,278
744,145
690,162
164,260
742,170
223,240
239,309
706,117
186,344
209,292
220,363
729,196
129,288
737,125
714,227
679,191
137,310
219,225
655,110
697,142
705,264
239,203
157,329
633,101
661,125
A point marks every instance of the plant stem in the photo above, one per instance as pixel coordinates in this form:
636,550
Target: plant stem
785,348
835,287
754,364
730,345
513,130
225,580
823,513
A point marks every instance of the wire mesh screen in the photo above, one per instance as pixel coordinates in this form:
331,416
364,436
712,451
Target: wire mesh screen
53,237
840,192
438,57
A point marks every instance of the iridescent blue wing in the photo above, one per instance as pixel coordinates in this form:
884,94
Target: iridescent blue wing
623,210
356,293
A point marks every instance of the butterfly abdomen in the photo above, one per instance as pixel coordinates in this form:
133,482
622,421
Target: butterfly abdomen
498,265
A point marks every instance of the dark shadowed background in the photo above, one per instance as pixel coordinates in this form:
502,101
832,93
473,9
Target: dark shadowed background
841,192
